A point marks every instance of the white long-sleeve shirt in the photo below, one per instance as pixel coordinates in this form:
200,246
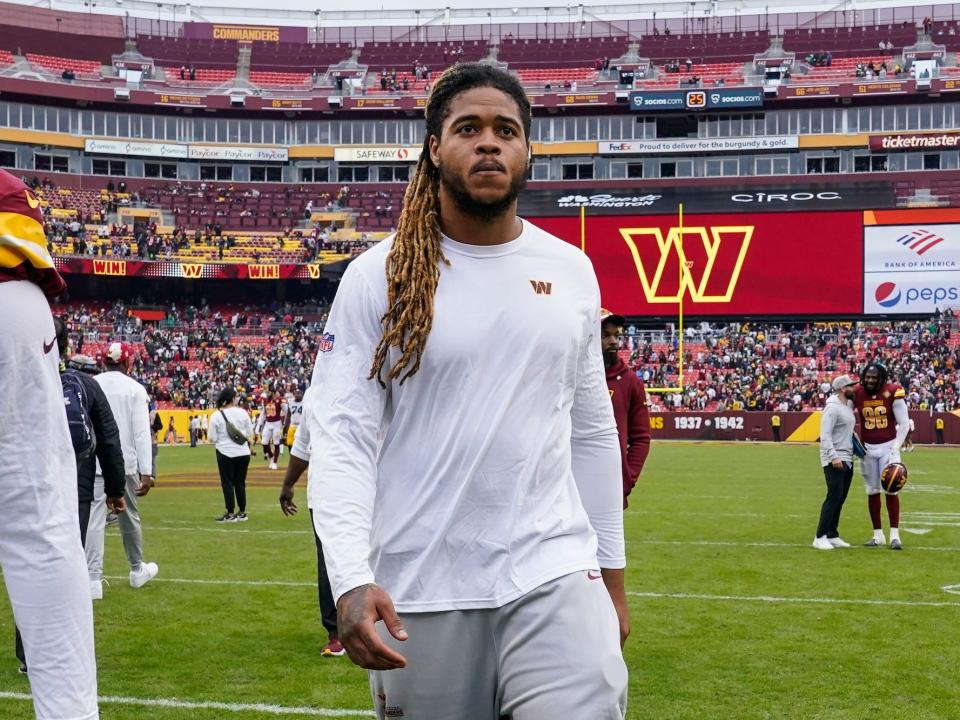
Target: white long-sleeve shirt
496,467
221,438
131,409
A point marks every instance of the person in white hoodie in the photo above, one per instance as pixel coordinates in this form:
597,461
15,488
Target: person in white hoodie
130,405
836,457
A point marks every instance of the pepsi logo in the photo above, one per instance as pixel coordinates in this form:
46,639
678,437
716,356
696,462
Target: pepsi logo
887,294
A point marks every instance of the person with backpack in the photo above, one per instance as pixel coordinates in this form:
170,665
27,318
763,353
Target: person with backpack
231,431
94,435
130,404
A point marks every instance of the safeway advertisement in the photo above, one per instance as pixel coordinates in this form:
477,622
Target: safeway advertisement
724,264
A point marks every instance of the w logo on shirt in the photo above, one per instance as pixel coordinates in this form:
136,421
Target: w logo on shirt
541,287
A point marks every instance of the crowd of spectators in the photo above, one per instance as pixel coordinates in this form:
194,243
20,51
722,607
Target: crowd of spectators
185,359
788,367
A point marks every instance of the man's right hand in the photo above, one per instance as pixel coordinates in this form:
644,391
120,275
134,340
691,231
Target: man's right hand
146,482
116,504
837,464
357,614
286,500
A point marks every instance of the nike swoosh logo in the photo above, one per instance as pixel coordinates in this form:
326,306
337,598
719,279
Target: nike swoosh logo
592,576
48,346
32,201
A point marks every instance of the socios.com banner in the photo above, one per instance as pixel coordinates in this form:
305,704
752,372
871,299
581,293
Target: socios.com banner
699,99
911,269
804,263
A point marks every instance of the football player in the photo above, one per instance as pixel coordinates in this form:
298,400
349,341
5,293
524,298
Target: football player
294,415
274,413
884,423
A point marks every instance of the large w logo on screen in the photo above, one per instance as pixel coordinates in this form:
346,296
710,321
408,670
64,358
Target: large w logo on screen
703,262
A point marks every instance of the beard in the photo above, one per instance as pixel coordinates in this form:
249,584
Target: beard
488,210
610,359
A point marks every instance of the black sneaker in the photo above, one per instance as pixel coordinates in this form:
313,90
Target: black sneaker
242,517
22,669
226,517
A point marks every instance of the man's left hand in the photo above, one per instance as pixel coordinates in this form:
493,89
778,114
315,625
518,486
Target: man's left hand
614,581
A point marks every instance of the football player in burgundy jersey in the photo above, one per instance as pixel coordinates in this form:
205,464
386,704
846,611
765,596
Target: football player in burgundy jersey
274,414
882,410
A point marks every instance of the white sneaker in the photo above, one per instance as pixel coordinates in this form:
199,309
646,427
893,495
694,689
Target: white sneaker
838,543
273,466
96,589
821,543
146,573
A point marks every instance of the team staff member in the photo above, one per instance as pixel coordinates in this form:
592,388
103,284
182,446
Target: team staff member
938,426
473,478
130,406
299,461
775,427
629,398
836,457
233,457
884,422
101,442
40,552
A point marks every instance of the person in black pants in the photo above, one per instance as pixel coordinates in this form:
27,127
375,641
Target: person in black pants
105,445
231,431
299,461
836,456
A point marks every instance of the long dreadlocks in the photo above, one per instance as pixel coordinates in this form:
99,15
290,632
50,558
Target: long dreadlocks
413,264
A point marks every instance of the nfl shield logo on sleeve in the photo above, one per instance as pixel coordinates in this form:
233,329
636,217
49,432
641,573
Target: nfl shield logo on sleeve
326,342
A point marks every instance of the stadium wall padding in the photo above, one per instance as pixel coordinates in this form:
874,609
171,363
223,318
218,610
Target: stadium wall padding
795,427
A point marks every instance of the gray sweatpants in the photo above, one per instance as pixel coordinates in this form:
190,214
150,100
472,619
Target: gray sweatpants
128,521
553,653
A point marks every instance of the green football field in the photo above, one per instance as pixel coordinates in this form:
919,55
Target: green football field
734,614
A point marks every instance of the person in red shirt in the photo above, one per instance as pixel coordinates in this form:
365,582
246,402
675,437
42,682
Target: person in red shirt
629,398
884,422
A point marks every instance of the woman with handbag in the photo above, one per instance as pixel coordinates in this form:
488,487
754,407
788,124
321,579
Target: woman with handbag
230,431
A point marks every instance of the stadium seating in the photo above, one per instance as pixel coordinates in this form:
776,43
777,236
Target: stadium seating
174,52
555,76
203,76
59,64
6,58
297,57
278,79
564,53
704,47
709,74
436,56
844,68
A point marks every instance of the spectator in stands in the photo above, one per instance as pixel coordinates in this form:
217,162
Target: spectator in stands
689,64
68,75
193,73
183,72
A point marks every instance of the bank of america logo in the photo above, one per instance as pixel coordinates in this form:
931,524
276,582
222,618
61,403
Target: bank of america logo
920,240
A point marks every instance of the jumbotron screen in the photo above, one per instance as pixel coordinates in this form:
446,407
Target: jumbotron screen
805,263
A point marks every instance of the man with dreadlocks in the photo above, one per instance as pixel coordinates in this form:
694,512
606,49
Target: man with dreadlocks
884,423
465,463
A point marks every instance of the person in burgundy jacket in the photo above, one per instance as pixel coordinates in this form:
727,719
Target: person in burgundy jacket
629,398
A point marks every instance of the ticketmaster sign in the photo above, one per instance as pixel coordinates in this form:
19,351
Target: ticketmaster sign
701,99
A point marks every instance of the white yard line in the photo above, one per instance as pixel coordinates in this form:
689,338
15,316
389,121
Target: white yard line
791,600
725,543
226,707
200,581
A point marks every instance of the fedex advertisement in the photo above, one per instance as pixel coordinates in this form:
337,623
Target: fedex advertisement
911,269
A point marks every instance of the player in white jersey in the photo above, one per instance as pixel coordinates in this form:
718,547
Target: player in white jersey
465,469
294,415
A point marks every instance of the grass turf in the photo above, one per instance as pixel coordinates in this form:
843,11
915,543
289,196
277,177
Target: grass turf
735,615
